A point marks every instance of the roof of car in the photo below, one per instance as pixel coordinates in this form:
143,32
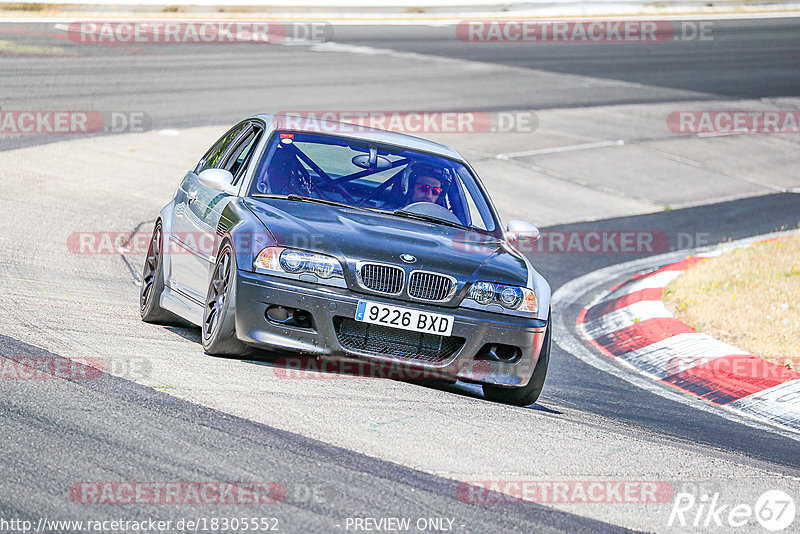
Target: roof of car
343,129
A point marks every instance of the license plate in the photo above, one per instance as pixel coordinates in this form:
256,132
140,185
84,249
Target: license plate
404,318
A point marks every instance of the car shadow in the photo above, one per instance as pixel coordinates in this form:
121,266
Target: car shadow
190,333
465,389
290,366
318,368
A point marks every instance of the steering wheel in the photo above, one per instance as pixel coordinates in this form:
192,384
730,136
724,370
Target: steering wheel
433,210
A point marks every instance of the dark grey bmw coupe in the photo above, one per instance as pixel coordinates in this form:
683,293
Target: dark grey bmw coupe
339,241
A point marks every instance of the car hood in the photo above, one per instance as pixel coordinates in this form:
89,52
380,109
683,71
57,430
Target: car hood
357,235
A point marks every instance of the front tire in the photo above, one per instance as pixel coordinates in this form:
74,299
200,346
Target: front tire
219,316
528,394
153,282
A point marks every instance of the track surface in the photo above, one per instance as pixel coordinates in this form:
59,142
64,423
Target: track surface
745,59
588,424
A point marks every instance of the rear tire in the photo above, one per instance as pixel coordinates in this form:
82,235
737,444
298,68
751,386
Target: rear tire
219,321
152,285
528,394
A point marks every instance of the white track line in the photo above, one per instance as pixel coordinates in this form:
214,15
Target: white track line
624,317
555,150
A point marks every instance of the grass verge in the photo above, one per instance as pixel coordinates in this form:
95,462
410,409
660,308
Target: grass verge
749,298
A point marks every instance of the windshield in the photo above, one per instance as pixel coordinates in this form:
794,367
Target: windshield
368,175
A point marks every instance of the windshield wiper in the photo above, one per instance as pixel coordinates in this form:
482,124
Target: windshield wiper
429,218
300,198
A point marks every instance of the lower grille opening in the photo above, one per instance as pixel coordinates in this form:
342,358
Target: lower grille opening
385,341
497,352
289,317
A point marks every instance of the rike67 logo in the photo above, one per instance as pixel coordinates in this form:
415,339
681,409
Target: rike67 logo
774,510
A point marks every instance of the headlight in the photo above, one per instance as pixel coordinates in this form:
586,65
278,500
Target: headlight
513,298
482,292
292,261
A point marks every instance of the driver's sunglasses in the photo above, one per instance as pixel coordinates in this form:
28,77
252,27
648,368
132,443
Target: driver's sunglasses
425,188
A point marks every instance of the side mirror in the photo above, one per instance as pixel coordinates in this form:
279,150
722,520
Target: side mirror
519,231
218,179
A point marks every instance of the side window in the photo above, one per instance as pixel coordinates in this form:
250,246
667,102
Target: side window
238,158
212,158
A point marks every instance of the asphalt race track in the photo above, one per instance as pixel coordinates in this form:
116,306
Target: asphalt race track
347,447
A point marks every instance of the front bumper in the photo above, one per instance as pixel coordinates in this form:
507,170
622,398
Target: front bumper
255,292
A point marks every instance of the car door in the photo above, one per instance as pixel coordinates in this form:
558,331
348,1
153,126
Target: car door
198,210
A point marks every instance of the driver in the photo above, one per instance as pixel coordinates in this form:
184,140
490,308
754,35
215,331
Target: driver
425,184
